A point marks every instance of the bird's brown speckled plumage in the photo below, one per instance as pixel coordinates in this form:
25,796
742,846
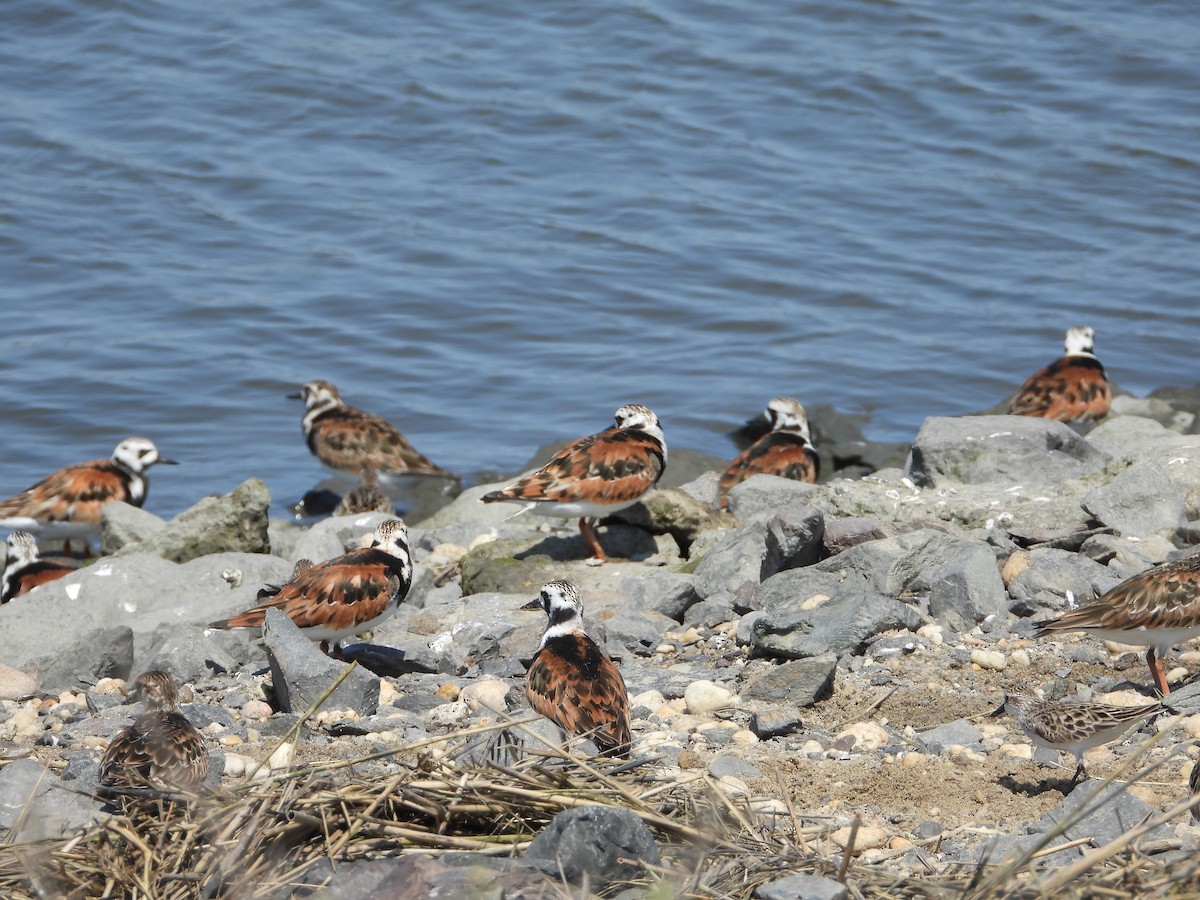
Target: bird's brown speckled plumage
1074,388
595,475
786,451
24,569
352,440
1074,725
571,681
345,595
161,749
1159,608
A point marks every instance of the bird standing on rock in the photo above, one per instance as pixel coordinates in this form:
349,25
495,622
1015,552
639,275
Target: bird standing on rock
343,596
595,475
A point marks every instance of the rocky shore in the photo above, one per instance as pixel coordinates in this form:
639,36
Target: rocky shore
823,655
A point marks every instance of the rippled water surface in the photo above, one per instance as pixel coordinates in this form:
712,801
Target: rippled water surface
495,223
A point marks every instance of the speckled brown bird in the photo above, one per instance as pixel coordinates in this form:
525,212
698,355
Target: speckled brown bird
595,475
1073,389
571,681
1157,608
365,497
343,596
67,504
346,439
786,450
1075,726
272,590
161,749
24,568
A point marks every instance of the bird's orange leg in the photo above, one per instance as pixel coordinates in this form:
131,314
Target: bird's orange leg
1156,670
589,537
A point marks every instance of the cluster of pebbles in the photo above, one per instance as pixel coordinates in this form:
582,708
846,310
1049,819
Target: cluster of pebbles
841,644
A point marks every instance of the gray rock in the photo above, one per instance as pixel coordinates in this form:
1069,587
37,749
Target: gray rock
1119,555
590,842
727,765
122,524
635,630
704,489
34,807
810,612
842,534
961,731
1043,586
664,592
102,653
1120,436
755,551
802,682
967,589
801,887
776,720
1141,501
235,522
1010,449
764,495
301,673
711,612
337,535
1116,812
188,652
668,511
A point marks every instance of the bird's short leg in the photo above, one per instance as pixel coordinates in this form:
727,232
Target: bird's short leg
1158,672
589,537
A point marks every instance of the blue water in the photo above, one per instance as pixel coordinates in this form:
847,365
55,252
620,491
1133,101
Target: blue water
495,223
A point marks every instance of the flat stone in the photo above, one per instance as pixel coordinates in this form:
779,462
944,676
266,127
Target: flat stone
961,732
15,684
776,721
726,765
802,887
1043,585
102,653
801,682
763,495
449,876
122,524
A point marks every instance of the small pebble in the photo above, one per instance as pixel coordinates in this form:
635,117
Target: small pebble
868,838
992,660
256,710
282,757
229,740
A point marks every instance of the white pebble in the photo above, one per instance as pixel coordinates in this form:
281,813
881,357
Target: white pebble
993,660
282,757
705,696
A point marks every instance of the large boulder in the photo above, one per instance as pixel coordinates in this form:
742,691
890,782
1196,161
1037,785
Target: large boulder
1011,449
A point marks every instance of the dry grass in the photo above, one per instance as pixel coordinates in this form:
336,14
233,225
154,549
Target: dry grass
471,792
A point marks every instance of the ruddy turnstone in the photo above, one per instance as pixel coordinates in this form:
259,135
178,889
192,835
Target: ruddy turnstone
349,440
1072,389
1073,725
24,569
595,475
161,748
1157,609
571,681
67,503
786,450
343,596
365,497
